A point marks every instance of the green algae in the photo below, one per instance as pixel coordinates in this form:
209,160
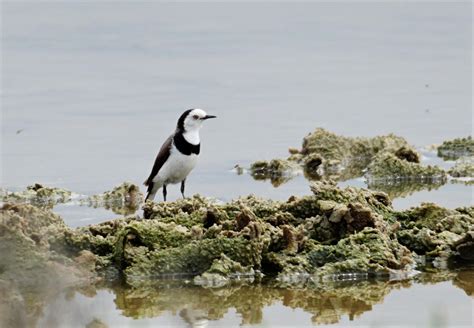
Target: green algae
434,231
456,148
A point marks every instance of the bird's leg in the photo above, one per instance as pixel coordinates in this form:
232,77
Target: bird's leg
182,187
164,193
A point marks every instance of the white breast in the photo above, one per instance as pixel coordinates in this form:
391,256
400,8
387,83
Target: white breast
192,136
176,168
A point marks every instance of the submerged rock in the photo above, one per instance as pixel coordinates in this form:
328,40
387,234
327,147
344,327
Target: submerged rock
456,148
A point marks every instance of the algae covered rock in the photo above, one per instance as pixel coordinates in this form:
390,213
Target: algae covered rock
278,171
388,167
434,231
124,199
222,271
345,158
456,148
368,251
332,231
463,168
196,236
38,195
325,155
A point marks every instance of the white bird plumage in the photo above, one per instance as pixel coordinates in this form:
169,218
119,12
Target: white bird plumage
178,155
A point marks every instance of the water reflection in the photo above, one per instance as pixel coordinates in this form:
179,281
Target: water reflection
326,303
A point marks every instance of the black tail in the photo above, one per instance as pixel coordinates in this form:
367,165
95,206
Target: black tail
149,189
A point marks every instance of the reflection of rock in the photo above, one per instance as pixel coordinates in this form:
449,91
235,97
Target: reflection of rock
403,188
454,149
327,303
12,306
465,280
38,195
124,199
195,318
96,323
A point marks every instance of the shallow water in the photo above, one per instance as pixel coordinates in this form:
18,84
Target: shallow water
90,90
431,299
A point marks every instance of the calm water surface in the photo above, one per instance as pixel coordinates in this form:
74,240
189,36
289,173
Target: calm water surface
90,91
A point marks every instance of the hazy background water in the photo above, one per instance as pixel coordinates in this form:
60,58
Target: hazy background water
93,88
96,87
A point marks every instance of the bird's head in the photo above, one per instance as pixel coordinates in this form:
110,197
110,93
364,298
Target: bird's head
191,120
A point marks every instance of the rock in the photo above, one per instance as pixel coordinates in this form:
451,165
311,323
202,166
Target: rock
454,149
124,199
38,195
463,168
278,171
388,167
327,155
465,246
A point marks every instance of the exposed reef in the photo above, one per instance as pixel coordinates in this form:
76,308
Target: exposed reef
330,232
38,195
124,199
387,167
463,168
456,148
331,235
385,161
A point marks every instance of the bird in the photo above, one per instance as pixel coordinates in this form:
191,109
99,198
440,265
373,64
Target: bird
178,155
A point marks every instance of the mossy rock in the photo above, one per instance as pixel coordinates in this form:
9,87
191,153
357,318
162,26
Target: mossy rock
388,167
456,148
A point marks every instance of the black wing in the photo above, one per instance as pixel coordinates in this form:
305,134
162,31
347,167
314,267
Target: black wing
161,158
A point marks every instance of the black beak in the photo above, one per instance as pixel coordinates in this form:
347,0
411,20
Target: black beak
208,116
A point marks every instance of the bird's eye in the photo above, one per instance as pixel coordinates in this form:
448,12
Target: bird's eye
196,117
